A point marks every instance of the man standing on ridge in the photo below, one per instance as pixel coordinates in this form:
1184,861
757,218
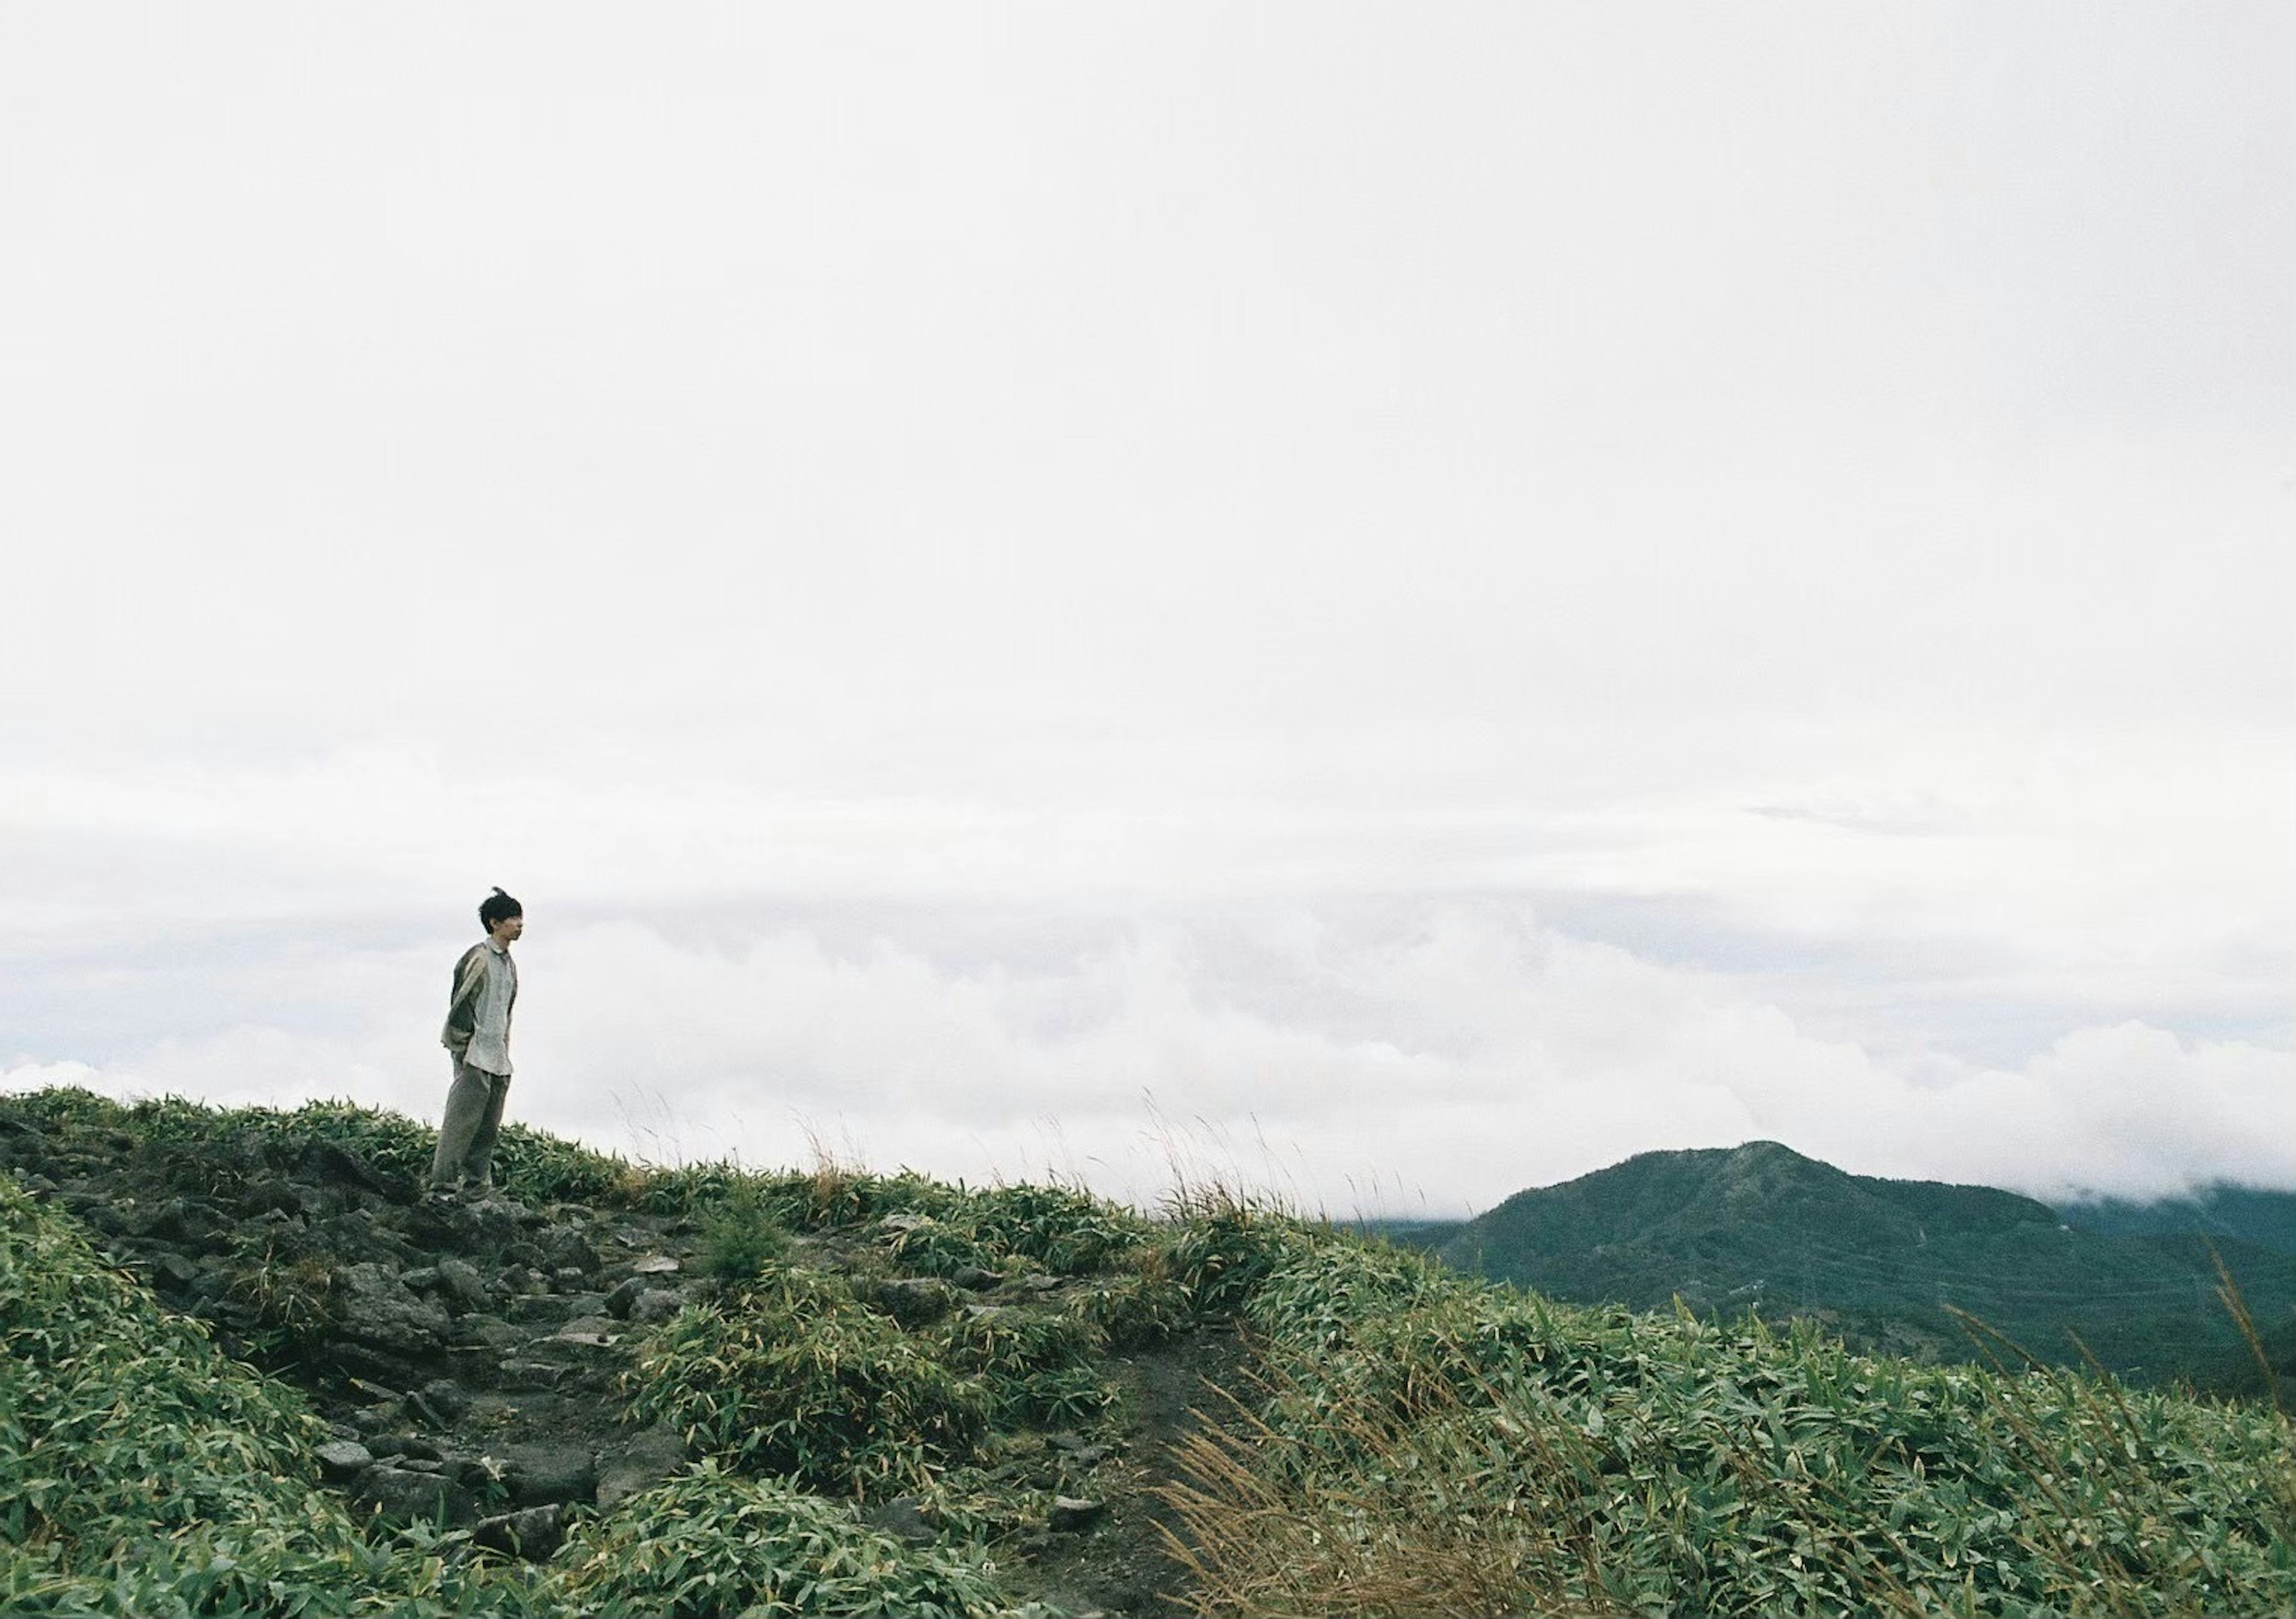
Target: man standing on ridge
478,1036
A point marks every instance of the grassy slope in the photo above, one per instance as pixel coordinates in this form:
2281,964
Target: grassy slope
1427,1442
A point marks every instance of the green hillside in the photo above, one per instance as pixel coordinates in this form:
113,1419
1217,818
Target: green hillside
711,1391
2245,1213
1762,1227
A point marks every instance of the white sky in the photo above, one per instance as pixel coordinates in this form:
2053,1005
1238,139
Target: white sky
1409,599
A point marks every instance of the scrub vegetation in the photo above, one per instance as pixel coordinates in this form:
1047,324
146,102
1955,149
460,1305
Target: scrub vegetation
891,1396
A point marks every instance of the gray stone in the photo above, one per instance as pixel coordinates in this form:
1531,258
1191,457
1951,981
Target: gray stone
401,1495
491,1331
656,1304
540,1474
903,1516
173,1272
567,1249
644,1459
974,1278
445,1398
654,1264
377,1309
915,1301
461,1282
1071,1513
345,1459
533,1533
532,1374
619,1302
421,1278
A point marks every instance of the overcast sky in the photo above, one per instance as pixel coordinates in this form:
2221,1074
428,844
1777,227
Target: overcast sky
1397,601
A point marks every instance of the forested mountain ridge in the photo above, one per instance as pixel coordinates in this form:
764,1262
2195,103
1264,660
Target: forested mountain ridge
1761,1226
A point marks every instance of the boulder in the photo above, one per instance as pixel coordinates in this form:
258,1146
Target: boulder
378,1310
1071,1513
462,1284
401,1495
656,1304
567,1249
344,1459
540,1474
445,1397
903,1516
331,1164
915,1301
532,1533
645,1458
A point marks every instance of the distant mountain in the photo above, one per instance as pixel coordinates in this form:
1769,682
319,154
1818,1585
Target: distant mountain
1762,1227
2267,1218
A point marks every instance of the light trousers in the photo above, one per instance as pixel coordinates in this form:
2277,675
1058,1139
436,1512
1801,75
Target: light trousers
466,1138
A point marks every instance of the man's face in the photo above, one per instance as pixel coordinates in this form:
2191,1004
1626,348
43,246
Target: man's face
506,930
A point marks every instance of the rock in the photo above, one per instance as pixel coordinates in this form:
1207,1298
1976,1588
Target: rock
175,1220
567,1249
491,1331
533,1533
974,1278
1038,1282
568,1278
371,1366
646,1459
345,1459
271,1197
174,1272
399,1495
1071,1513
654,1264
527,1255
619,1302
446,1398
378,1310
915,1301
421,1278
518,1373
334,1166
461,1282
540,1474
471,1472
902,1516
533,1308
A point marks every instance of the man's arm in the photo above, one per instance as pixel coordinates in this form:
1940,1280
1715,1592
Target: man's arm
463,1004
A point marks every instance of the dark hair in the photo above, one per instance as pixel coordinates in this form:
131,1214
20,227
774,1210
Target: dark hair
496,907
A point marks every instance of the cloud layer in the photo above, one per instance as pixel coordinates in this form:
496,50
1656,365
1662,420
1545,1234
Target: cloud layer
1507,1054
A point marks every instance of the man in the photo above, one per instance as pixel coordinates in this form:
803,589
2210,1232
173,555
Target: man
478,1036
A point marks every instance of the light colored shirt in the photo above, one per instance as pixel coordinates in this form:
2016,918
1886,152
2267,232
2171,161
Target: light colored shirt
489,1050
